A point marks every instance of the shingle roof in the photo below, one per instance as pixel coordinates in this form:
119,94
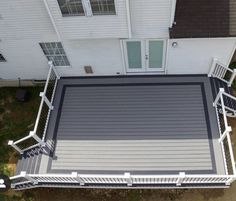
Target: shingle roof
201,18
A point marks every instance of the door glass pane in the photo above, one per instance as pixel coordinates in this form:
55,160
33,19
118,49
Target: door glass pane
156,54
134,54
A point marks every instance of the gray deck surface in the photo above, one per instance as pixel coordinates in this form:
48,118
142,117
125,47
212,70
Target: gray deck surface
158,125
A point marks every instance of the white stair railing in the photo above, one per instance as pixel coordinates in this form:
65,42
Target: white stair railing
225,129
222,72
46,105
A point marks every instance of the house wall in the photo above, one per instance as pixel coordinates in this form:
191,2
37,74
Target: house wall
30,63
150,18
82,27
24,19
104,55
95,40
25,60
194,56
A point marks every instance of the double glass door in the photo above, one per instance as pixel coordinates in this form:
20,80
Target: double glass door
144,55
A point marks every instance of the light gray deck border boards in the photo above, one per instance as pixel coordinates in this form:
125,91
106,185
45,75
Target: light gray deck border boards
216,149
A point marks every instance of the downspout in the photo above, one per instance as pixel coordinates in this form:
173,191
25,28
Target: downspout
128,19
55,28
172,14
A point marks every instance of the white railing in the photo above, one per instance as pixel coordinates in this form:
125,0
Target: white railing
46,105
225,129
222,72
126,179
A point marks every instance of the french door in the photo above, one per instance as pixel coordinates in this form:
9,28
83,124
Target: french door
144,55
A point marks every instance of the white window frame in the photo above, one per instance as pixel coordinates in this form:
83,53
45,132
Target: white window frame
54,54
88,10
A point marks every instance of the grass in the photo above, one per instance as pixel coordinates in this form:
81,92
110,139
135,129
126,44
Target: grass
17,119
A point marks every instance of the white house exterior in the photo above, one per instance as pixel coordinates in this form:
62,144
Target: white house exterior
127,88
99,41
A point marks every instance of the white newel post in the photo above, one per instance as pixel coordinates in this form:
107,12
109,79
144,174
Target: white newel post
33,134
232,77
11,143
50,63
227,130
218,96
49,104
180,178
230,180
213,65
23,174
128,179
75,175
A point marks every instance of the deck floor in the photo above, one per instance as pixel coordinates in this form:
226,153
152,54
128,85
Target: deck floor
155,124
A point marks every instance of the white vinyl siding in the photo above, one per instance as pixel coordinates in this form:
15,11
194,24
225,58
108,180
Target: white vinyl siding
97,26
194,56
25,19
150,18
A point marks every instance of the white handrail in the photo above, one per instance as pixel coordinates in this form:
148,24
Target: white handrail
219,71
226,133
48,102
127,179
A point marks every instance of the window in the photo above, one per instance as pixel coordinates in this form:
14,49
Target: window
55,53
103,7
85,7
71,7
2,59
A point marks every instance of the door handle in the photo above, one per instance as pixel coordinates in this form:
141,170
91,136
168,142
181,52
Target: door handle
146,56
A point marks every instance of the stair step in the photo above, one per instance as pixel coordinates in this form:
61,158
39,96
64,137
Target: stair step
30,161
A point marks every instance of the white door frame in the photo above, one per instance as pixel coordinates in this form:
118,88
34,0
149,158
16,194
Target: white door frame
128,70
144,51
148,69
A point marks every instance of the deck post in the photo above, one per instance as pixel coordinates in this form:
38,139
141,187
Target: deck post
11,143
77,178
229,181
42,94
128,178
218,96
214,61
227,130
33,134
50,63
232,78
180,178
23,174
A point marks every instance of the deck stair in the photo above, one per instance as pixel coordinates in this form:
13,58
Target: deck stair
29,161
229,102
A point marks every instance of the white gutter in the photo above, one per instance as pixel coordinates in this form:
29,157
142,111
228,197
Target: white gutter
55,28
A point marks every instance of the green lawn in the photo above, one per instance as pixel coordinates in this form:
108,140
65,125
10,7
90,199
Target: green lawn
16,120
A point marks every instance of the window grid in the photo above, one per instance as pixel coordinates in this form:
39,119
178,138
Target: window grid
55,53
98,7
71,7
103,7
2,58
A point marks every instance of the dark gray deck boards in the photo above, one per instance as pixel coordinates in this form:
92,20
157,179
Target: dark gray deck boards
155,124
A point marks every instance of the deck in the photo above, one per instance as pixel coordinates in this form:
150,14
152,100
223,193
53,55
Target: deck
138,124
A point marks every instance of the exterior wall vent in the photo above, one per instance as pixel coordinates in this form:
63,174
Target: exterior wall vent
88,69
